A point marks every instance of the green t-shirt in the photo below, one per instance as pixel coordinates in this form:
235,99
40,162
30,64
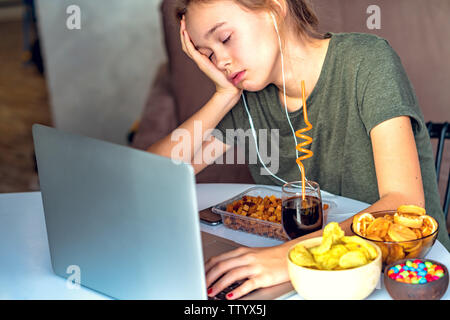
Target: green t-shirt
362,83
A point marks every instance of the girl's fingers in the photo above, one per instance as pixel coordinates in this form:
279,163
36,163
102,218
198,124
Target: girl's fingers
183,44
229,278
225,266
183,38
193,53
189,47
225,256
204,63
245,288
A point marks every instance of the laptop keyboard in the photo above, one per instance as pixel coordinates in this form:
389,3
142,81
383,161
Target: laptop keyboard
222,295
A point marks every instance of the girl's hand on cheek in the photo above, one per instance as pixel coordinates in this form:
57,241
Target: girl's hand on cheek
223,85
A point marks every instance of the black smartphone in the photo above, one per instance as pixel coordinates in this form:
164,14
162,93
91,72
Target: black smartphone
209,217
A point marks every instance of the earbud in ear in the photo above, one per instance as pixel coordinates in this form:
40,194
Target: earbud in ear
274,20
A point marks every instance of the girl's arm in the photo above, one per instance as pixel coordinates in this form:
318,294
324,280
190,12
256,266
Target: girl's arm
200,161
225,97
396,164
190,136
399,182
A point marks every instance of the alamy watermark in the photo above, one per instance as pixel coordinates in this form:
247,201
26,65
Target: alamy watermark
73,21
374,20
208,152
74,279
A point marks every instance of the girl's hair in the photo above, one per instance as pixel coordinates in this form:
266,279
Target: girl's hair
304,19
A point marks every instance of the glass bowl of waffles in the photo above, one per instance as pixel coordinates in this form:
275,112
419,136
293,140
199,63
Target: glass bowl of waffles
405,233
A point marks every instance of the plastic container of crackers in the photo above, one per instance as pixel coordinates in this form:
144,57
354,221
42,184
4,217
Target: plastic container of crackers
257,211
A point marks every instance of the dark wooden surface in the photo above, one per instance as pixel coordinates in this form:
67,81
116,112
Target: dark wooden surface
23,101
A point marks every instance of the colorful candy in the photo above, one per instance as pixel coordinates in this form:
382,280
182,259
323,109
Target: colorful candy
416,272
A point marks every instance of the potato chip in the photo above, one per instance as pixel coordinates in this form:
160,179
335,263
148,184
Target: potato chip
411,245
418,233
401,233
413,253
361,221
384,250
411,209
388,238
357,247
408,220
325,261
429,226
333,251
379,228
332,233
395,253
330,259
338,250
302,257
323,247
352,259
373,237
355,239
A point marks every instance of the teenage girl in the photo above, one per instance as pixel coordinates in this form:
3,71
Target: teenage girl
370,141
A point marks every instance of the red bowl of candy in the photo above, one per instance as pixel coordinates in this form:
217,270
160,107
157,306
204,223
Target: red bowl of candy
416,279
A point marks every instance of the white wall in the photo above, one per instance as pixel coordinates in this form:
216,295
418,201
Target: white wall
99,76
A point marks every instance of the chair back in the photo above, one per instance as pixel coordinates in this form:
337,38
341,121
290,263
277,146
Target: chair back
441,131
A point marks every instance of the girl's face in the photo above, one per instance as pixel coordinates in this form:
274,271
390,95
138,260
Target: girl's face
243,41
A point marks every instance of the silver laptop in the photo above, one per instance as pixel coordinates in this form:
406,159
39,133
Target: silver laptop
125,219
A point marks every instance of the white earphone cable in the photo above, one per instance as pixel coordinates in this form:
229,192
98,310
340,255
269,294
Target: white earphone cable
285,105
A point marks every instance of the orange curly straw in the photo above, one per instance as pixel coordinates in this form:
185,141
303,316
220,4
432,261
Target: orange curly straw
309,140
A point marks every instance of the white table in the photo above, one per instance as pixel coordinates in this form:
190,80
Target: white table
25,267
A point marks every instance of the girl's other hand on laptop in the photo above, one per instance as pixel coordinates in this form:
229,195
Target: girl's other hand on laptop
263,267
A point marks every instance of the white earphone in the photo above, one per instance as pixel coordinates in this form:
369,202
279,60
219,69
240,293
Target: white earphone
250,120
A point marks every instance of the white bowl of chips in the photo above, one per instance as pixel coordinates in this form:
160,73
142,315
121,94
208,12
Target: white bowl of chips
334,267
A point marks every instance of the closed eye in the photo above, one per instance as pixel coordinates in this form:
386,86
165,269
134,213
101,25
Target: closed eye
224,41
